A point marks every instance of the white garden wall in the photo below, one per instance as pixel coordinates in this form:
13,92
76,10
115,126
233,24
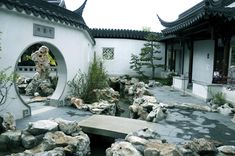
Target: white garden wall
72,46
123,48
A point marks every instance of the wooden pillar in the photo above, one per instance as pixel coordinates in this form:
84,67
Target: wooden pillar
166,47
190,70
226,42
182,56
172,56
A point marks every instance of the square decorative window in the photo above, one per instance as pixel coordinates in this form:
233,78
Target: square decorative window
108,53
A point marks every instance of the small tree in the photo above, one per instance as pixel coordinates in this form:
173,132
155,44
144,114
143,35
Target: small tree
148,53
136,64
147,56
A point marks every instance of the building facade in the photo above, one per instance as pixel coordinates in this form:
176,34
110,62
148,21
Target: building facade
200,48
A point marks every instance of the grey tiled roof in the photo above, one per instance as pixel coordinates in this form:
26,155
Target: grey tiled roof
201,11
119,33
45,10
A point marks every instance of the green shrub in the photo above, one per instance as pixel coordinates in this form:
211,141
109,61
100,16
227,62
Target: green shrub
82,85
218,98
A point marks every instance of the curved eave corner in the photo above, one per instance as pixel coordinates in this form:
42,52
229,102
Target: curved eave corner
164,23
80,10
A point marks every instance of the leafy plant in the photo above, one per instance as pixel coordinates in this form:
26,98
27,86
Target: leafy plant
218,98
83,84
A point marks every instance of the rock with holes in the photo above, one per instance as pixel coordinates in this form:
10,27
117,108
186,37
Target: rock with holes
122,148
42,126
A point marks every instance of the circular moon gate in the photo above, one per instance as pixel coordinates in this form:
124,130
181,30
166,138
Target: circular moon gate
61,70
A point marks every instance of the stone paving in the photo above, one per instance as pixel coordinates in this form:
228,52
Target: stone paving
178,127
184,125
42,112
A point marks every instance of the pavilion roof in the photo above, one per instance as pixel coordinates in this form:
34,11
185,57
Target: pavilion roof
200,12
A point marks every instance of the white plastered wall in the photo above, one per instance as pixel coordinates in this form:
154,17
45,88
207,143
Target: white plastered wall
75,46
123,48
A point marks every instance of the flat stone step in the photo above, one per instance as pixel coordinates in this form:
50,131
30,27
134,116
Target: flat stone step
112,126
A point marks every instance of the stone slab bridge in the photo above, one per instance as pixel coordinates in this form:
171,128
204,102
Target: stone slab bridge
112,126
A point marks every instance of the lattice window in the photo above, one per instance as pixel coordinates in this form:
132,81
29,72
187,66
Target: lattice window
108,53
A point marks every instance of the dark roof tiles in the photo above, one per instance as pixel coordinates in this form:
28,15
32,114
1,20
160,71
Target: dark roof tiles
45,10
119,33
198,12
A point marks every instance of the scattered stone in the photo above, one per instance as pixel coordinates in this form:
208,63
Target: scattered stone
225,109
107,94
59,151
202,146
103,107
157,114
14,137
78,103
151,152
29,141
59,139
37,98
2,128
42,126
122,148
190,106
68,127
4,142
233,120
137,142
164,149
226,150
9,121
145,133
134,80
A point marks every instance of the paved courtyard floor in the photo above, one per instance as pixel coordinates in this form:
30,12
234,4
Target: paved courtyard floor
178,127
184,125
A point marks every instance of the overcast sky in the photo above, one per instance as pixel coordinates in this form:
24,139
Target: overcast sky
130,14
